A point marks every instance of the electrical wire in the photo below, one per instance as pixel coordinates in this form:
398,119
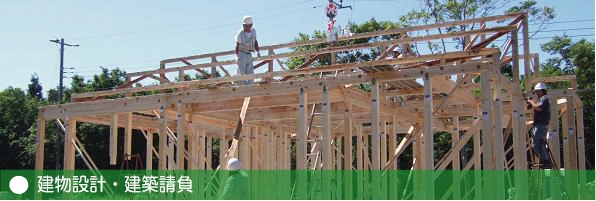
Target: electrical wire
185,24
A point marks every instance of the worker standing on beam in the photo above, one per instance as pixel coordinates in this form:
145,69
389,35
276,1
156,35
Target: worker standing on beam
246,43
540,127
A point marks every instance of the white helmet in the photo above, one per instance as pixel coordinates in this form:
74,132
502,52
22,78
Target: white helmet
247,20
234,164
539,86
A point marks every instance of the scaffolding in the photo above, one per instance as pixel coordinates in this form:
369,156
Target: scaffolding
320,110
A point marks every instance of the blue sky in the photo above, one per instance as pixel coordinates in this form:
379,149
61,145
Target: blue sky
136,34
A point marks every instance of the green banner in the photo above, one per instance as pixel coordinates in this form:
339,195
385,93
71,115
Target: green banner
296,185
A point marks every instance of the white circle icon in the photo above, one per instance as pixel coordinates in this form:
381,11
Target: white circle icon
18,185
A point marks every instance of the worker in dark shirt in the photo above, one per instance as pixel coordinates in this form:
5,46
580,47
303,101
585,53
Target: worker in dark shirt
541,110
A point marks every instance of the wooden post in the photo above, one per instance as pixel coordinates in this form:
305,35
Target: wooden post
553,132
213,68
581,148
114,139
499,147
40,142
477,161
209,152
393,187
163,139
270,66
498,127
488,160
326,147
519,137
40,149
426,146
128,136
376,124
553,142
572,140
376,140
201,146
181,149
487,129
393,143
223,147
302,131
565,136
571,162
348,124
69,151
359,160
427,138
527,56
383,144
455,163
536,66
301,144
149,151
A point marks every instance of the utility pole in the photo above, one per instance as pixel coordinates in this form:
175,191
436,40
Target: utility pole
60,91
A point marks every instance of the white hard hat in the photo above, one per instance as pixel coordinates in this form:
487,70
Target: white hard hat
247,20
234,164
539,86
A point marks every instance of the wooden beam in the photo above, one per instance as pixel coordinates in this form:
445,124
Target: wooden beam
361,35
560,78
328,68
130,83
198,70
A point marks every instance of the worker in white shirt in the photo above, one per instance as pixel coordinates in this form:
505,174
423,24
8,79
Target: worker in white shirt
246,43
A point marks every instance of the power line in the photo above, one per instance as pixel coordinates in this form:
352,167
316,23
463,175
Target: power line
586,28
185,24
559,22
175,33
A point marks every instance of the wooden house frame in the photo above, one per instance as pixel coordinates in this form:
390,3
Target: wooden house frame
318,108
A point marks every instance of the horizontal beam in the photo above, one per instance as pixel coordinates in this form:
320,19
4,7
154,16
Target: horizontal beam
560,78
328,68
153,102
358,35
335,49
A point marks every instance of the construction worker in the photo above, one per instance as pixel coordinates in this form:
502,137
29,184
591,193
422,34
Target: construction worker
236,186
541,110
246,43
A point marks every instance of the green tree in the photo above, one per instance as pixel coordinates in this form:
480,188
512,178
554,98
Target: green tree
437,11
18,114
34,89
